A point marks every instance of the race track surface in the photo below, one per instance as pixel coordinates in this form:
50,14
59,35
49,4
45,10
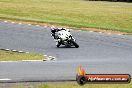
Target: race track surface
98,53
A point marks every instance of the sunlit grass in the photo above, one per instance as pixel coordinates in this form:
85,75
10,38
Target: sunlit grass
115,16
70,85
13,56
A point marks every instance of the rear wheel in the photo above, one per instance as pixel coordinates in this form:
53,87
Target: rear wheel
75,44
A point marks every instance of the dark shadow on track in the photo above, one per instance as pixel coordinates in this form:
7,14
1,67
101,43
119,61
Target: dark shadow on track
65,47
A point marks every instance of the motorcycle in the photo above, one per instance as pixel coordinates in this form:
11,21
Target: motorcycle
64,37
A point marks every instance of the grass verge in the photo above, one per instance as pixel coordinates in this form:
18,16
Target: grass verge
15,56
115,16
75,85
68,85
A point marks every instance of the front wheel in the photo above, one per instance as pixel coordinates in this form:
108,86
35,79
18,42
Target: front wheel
58,44
75,44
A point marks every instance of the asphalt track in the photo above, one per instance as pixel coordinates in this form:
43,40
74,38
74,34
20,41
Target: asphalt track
98,53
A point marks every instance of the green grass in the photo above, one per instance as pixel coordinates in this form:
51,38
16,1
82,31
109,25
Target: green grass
14,56
74,85
71,85
116,16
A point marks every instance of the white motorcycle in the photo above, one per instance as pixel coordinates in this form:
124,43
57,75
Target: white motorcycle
64,37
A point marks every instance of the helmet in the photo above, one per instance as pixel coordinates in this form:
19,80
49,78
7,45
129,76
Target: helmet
53,29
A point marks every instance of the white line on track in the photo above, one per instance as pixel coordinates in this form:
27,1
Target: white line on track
5,79
7,49
8,61
108,33
5,21
37,25
14,50
31,60
12,22
45,55
49,58
21,51
22,61
90,31
100,32
19,23
29,24
119,34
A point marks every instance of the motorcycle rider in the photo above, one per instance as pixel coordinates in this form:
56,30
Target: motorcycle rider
54,30
62,36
